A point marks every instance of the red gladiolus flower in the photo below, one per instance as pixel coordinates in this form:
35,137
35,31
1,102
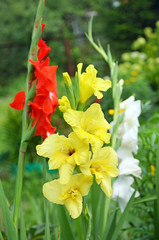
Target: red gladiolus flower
46,100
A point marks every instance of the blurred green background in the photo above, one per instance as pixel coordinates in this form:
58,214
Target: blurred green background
132,29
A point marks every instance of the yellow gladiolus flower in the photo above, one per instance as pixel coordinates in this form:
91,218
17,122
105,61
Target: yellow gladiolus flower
64,153
69,194
64,104
104,166
89,84
90,126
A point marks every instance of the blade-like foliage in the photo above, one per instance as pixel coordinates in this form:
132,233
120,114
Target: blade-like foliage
8,220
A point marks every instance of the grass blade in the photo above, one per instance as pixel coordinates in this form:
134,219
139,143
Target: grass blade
8,220
122,218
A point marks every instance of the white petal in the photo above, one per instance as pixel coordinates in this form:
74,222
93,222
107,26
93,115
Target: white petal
127,102
122,190
129,165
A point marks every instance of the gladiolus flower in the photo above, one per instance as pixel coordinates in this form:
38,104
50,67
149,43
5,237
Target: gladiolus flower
104,166
89,84
46,99
122,190
69,194
90,126
64,153
128,165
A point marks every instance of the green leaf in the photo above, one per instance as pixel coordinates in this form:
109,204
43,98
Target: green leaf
88,223
47,227
145,199
90,38
112,224
156,202
64,224
156,219
110,60
90,28
8,220
95,210
1,237
100,214
22,225
122,218
157,176
78,223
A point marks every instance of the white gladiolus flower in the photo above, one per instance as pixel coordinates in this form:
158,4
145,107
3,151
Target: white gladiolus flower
122,190
128,165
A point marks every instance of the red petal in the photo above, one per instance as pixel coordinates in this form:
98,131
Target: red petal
47,78
19,101
42,27
44,127
43,50
40,64
41,43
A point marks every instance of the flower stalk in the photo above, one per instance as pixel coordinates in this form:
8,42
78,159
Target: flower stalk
27,132
116,93
116,85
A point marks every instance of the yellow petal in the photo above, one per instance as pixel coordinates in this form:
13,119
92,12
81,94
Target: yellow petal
74,206
89,84
90,125
65,172
57,159
79,68
73,117
81,148
52,191
84,183
102,85
106,185
64,104
104,166
47,148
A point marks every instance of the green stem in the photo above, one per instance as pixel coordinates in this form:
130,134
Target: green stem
19,183
106,209
114,134
33,47
47,228
25,122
